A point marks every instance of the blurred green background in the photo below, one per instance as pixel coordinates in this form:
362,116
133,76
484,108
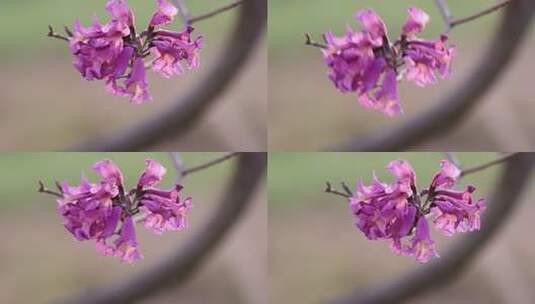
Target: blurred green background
307,113
316,253
39,84
38,254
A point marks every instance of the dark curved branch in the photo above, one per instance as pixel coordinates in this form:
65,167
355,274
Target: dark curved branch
188,109
454,108
179,266
443,270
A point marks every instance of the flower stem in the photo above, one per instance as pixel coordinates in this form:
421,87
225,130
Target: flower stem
504,3
484,166
330,190
44,189
445,12
215,12
53,34
309,41
183,11
209,164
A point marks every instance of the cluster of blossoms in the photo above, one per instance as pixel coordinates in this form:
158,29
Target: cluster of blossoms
115,53
398,211
104,211
368,63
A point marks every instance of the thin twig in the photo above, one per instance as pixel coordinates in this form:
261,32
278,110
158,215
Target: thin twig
209,164
178,164
44,189
495,162
215,12
330,190
453,159
445,12
53,34
183,11
309,41
485,12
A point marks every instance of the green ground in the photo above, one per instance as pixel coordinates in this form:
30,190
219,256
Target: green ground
25,22
20,172
289,20
298,179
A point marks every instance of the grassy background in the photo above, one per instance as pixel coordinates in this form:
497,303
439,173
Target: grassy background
316,253
22,171
289,20
25,22
297,179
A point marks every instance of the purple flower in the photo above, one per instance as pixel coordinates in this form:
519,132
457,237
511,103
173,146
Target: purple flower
171,49
383,211
456,211
104,211
152,175
163,209
397,210
165,14
372,25
120,12
367,63
109,172
97,48
115,53
424,58
136,85
447,176
125,246
416,21
421,244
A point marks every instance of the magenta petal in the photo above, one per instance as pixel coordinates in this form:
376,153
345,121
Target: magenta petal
126,245
152,174
372,24
416,21
136,86
165,13
109,171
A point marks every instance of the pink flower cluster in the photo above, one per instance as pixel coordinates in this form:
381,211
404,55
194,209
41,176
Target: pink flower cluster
367,63
115,53
397,211
104,211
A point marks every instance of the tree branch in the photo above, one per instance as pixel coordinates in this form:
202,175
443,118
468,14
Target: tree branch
309,41
504,3
183,11
184,261
209,164
445,12
481,167
215,12
441,271
44,189
53,34
178,164
330,190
